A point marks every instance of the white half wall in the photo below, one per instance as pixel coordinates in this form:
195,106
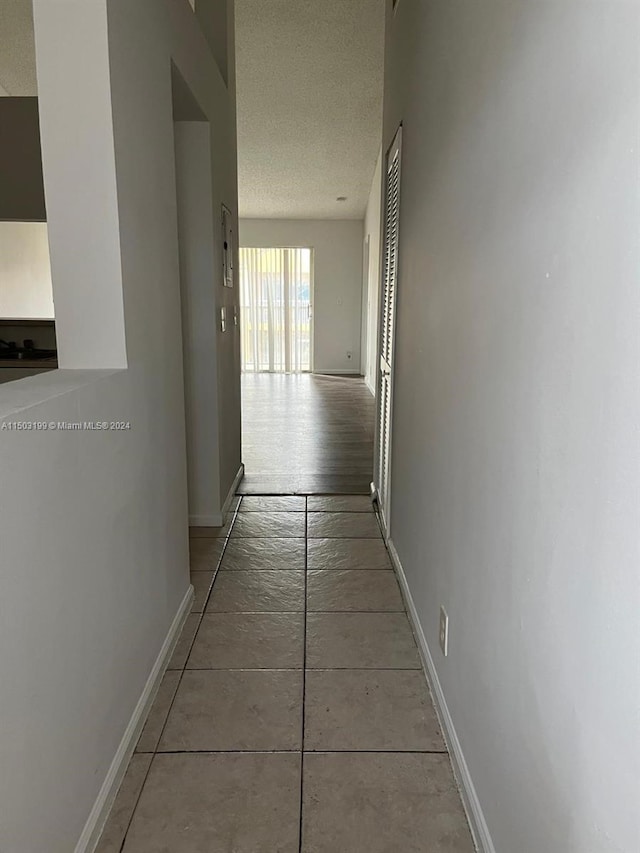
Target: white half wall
94,560
517,401
86,263
337,297
25,271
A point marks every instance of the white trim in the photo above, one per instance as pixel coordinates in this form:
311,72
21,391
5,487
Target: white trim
233,490
479,829
213,520
100,812
216,519
364,313
343,372
370,386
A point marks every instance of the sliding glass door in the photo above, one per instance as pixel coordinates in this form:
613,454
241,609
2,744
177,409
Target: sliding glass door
275,310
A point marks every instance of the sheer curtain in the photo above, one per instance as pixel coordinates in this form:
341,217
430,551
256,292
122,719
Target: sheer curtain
275,310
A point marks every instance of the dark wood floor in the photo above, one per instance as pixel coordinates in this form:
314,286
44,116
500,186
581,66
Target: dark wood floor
306,434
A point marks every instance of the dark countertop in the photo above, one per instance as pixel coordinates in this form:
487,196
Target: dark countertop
18,363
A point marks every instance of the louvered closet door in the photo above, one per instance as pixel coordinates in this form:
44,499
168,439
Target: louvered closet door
387,326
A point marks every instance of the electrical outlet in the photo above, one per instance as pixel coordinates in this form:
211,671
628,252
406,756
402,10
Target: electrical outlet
444,631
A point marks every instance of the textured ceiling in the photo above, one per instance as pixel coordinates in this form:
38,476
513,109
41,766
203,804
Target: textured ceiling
309,76
309,80
17,50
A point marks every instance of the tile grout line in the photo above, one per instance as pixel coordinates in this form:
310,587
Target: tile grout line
137,799
275,612
298,752
299,669
182,671
304,666
302,751
313,538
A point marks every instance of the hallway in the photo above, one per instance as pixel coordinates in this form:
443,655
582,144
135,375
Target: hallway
294,714
306,434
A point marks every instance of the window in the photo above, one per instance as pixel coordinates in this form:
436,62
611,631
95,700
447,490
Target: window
275,310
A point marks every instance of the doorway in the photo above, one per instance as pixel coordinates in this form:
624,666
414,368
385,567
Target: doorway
276,310
198,307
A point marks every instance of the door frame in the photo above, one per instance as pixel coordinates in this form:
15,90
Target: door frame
364,307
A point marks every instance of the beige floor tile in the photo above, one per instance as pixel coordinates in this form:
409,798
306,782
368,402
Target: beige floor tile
267,525
362,554
353,590
340,503
152,730
368,803
273,503
201,584
261,592
226,776
249,641
116,826
360,641
343,525
204,554
259,555
370,710
181,651
226,802
236,710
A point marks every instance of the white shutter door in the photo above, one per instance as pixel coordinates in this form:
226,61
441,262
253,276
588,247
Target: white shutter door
387,325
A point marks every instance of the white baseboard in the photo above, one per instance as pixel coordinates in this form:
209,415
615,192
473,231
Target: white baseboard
233,490
475,815
216,519
370,387
102,806
213,520
337,372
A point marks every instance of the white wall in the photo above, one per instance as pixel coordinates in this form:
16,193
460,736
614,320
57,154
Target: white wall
212,15
93,525
84,249
515,467
199,318
372,227
337,297
25,271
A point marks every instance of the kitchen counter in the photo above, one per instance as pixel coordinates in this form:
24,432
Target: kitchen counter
23,363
